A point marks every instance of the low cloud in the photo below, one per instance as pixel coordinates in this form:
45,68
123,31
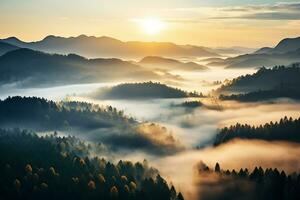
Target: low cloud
148,137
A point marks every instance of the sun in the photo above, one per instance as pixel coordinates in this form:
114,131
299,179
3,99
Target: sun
152,26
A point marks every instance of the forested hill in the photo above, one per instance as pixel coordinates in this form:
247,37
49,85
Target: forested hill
106,125
142,91
287,129
156,62
265,79
264,95
34,68
27,175
248,184
41,114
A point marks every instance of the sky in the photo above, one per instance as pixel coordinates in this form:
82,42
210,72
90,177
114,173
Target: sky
251,23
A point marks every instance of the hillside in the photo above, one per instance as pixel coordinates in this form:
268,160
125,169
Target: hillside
257,182
258,60
105,125
4,48
145,90
284,78
33,68
285,52
70,171
90,46
284,46
43,115
263,95
286,130
156,62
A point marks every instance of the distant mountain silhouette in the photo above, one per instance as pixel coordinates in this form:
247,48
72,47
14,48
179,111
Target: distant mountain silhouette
156,62
275,79
145,90
31,67
90,46
258,60
233,50
284,46
286,52
4,48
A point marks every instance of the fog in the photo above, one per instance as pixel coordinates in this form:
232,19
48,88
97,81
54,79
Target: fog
192,128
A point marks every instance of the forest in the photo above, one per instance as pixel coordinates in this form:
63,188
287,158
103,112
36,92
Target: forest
42,115
26,174
286,129
258,183
276,78
150,100
261,95
144,90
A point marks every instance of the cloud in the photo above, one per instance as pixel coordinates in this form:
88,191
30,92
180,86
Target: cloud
148,137
277,11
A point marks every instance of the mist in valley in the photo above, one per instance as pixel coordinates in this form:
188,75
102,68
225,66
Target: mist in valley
191,131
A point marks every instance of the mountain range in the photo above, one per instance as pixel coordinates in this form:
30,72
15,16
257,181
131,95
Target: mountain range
34,68
287,51
90,46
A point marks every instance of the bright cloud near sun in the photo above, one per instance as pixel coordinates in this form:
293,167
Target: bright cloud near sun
152,26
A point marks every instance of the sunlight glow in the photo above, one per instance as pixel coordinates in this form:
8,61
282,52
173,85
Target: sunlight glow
152,26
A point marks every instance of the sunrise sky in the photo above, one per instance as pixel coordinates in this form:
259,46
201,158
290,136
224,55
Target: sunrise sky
213,23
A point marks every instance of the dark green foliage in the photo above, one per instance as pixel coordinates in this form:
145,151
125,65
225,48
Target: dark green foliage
41,114
259,184
285,129
33,167
191,104
142,91
277,78
263,95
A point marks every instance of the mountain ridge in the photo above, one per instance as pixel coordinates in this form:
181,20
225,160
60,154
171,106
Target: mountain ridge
104,46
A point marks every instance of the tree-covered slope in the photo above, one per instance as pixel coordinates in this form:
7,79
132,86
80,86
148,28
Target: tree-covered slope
247,184
265,79
26,174
142,91
41,114
105,125
284,130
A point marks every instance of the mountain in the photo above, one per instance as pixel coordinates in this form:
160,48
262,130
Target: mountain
156,62
287,51
34,68
90,46
277,78
233,50
4,48
145,90
263,50
259,60
284,46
